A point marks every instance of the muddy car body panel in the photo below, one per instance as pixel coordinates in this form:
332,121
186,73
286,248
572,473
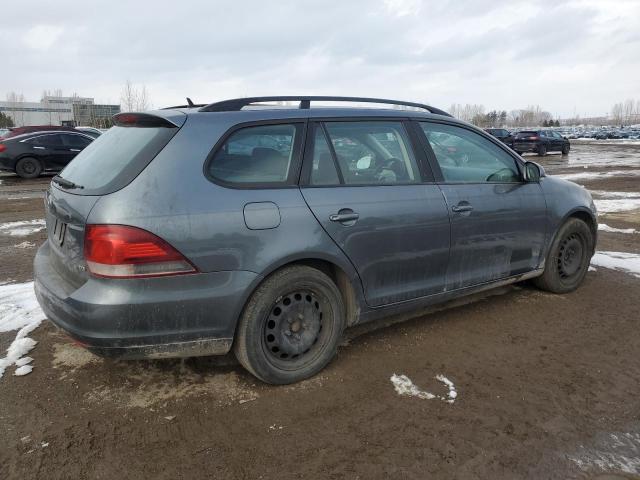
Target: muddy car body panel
414,238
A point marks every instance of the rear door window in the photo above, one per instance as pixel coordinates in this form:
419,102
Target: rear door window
373,153
323,170
257,155
466,157
75,141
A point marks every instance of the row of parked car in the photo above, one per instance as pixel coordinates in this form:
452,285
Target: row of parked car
30,151
605,133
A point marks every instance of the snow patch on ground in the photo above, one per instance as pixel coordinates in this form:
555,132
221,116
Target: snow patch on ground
617,205
22,228
608,194
617,452
597,175
19,310
404,386
621,261
606,228
25,245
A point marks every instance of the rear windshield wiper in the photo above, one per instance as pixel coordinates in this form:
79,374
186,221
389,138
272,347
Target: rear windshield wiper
65,183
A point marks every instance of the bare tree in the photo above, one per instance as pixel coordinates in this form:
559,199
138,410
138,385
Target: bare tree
466,112
628,111
617,113
134,98
15,101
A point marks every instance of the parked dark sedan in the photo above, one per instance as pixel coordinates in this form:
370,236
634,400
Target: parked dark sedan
15,131
31,154
501,134
540,142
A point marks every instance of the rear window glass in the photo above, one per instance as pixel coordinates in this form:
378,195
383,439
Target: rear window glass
526,134
115,158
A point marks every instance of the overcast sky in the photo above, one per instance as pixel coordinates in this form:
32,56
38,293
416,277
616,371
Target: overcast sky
567,56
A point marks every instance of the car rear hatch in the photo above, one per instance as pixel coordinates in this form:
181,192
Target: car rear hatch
108,164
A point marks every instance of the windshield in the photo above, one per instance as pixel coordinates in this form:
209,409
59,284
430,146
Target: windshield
115,158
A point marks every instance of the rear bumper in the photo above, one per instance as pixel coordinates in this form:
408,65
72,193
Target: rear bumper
177,316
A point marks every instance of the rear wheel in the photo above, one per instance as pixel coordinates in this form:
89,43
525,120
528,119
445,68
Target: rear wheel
291,326
542,150
568,258
28,167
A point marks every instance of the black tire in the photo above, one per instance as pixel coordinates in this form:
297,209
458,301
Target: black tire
565,149
542,150
28,167
568,258
291,326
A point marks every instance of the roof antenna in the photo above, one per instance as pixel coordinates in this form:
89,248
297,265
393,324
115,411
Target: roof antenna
191,104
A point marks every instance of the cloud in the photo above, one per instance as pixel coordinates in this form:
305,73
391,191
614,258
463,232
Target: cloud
402,8
564,55
42,37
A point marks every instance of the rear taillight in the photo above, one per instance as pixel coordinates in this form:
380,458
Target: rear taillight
2,147
119,251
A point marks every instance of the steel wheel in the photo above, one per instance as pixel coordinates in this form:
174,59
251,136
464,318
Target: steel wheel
291,326
570,255
293,330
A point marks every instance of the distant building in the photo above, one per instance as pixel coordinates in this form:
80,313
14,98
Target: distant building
72,111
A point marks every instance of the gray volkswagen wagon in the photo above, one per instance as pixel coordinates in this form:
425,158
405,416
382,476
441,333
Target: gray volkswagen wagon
269,229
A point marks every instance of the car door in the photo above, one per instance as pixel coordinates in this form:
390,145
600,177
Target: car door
74,144
53,149
48,148
498,221
371,193
559,141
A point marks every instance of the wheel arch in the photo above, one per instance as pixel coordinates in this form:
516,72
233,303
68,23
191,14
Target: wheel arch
342,273
583,214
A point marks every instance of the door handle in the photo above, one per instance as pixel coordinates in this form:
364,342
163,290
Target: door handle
39,148
74,150
462,208
344,217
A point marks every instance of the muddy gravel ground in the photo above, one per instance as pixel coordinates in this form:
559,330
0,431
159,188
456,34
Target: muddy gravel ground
548,386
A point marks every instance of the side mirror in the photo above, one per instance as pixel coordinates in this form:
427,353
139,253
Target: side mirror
533,172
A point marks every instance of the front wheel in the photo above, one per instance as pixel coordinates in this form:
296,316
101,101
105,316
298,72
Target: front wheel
565,150
568,258
291,326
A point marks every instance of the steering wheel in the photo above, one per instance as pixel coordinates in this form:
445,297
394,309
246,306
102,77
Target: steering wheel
393,165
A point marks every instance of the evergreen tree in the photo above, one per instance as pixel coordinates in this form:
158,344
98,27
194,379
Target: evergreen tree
5,121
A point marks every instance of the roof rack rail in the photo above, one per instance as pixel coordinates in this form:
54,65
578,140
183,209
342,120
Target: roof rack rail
305,103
